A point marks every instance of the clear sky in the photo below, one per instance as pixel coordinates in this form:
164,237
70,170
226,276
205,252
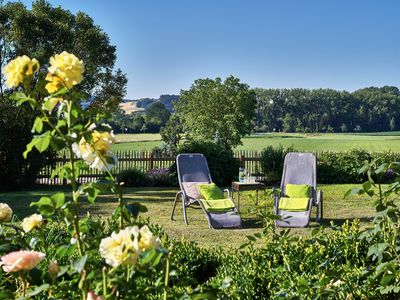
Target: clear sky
164,45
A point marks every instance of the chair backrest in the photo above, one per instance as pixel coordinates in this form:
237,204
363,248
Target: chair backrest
300,168
192,167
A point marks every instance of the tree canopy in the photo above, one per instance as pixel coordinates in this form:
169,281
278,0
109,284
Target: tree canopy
327,110
212,110
45,30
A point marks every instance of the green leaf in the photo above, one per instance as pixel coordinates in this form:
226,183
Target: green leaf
58,199
37,125
43,142
21,98
78,264
38,290
377,249
29,147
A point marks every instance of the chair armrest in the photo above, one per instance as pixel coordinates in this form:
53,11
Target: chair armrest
229,192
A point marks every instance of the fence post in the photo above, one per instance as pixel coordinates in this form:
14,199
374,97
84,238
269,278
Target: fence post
242,157
151,161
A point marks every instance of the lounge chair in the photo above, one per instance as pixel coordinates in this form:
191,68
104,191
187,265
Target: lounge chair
193,172
298,191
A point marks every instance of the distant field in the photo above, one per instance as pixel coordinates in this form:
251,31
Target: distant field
382,141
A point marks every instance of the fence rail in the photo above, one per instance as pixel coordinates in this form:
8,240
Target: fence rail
143,160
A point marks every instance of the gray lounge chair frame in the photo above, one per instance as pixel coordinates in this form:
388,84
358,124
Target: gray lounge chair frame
299,168
193,167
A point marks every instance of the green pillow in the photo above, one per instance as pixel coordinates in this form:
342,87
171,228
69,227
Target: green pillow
298,190
210,191
293,204
220,205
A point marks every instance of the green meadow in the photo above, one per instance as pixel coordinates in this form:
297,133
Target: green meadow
383,141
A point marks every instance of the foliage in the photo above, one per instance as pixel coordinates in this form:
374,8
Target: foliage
327,110
171,134
40,32
224,167
74,265
156,117
133,177
161,177
212,110
332,167
155,177
271,160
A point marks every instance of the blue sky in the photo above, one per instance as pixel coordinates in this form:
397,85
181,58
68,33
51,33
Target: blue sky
163,46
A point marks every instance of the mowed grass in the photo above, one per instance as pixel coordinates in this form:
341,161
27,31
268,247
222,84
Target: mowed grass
383,141
159,203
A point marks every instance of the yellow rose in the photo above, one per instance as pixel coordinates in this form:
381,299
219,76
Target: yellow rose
5,212
34,221
121,248
148,240
68,68
102,141
54,85
20,69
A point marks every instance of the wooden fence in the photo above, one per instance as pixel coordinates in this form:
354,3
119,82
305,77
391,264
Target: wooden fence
143,160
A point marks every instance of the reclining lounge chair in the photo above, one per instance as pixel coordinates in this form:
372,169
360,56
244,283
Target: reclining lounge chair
298,191
193,174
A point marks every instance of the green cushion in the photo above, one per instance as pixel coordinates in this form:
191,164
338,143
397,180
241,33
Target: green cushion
293,204
210,191
219,205
298,190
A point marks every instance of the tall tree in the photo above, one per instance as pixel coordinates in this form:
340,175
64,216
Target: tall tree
212,110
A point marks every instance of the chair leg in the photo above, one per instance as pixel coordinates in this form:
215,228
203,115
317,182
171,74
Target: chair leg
173,207
184,212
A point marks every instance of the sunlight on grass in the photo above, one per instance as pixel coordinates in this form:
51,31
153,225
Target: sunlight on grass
159,203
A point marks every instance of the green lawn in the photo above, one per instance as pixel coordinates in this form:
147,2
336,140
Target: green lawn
159,203
326,141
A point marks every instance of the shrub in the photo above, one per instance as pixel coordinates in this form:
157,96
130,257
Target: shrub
161,177
272,161
133,178
223,165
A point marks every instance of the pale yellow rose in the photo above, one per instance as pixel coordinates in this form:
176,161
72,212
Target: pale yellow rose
148,240
103,163
102,141
97,155
84,150
68,68
20,69
121,248
5,212
31,222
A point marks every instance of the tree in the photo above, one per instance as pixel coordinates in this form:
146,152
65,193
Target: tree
212,110
156,117
45,30
40,33
171,134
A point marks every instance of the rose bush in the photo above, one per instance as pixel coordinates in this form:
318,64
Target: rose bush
84,258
